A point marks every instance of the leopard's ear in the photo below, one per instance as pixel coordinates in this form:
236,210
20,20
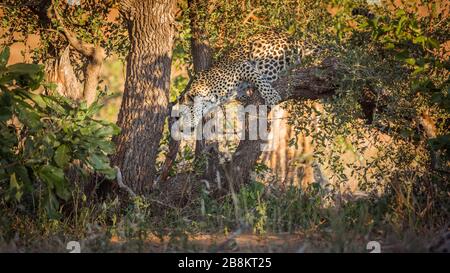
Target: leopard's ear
190,98
186,99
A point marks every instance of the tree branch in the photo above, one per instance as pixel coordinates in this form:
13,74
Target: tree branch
202,60
95,54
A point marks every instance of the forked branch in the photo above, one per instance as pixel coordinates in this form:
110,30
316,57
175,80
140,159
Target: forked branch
94,53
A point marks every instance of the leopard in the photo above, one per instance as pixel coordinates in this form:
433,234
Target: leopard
255,63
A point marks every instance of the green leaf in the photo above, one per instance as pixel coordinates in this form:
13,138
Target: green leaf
98,162
6,99
26,75
93,109
51,139
62,155
109,173
38,99
414,27
402,55
86,131
28,117
4,57
410,61
433,42
15,187
107,131
53,103
23,177
51,205
106,146
54,178
420,69
389,46
24,69
400,25
51,86
400,12
419,40
5,113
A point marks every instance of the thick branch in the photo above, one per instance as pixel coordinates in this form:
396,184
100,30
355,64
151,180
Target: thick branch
200,48
95,55
60,71
202,59
309,83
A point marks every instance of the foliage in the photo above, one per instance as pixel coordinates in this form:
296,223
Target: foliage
42,136
399,56
93,22
396,50
414,35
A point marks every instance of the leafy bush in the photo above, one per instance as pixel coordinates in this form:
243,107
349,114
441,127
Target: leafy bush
412,35
42,136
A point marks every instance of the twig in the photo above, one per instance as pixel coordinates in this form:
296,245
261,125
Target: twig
121,184
251,15
82,47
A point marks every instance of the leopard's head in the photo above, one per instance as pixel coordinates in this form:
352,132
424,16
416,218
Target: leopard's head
196,101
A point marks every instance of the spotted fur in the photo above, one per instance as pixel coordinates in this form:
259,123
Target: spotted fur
257,62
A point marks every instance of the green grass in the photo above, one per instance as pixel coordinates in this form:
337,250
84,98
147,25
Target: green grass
325,222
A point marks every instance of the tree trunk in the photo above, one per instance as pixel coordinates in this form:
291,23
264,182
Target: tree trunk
61,72
145,99
200,48
202,60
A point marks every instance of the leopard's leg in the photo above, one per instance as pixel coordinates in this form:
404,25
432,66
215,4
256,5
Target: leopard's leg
251,74
241,90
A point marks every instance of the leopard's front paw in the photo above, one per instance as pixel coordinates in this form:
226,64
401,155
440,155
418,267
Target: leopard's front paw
273,99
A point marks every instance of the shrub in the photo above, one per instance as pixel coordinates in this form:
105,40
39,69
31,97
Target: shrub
41,136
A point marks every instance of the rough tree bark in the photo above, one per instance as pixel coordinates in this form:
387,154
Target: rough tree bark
145,99
202,59
200,49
